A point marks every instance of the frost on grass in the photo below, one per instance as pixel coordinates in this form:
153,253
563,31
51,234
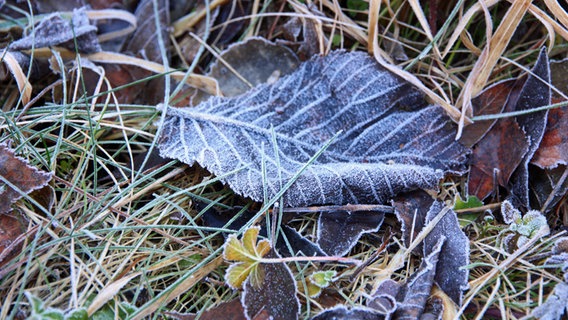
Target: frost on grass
390,141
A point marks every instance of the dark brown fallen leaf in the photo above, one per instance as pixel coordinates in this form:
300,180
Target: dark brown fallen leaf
501,154
553,149
276,294
391,141
339,231
20,175
413,295
491,101
496,157
536,92
12,230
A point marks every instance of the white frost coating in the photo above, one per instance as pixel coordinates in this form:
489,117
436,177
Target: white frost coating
306,109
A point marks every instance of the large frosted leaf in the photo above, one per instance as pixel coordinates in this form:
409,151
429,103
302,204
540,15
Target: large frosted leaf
391,140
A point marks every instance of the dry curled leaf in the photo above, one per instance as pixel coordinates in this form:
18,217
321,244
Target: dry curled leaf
55,30
391,141
415,211
19,174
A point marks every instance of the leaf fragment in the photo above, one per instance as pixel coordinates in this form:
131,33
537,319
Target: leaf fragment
275,294
339,231
20,174
55,30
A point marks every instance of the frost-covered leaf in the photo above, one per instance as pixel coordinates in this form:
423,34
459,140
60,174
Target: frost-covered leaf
413,296
341,312
454,255
339,231
535,93
556,305
275,294
390,141
522,229
384,298
20,174
415,211
54,30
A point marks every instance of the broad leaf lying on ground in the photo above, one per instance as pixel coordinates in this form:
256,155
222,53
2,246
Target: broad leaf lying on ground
504,147
390,141
19,174
536,92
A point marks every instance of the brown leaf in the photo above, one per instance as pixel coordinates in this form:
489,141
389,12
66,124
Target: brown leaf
12,229
231,310
19,174
535,93
553,149
491,101
501,155
496,157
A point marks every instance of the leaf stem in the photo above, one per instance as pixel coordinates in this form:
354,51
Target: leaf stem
316,259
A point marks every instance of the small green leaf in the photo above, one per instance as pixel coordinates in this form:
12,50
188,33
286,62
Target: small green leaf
247,254
471,202
237,273
323,278
78,314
